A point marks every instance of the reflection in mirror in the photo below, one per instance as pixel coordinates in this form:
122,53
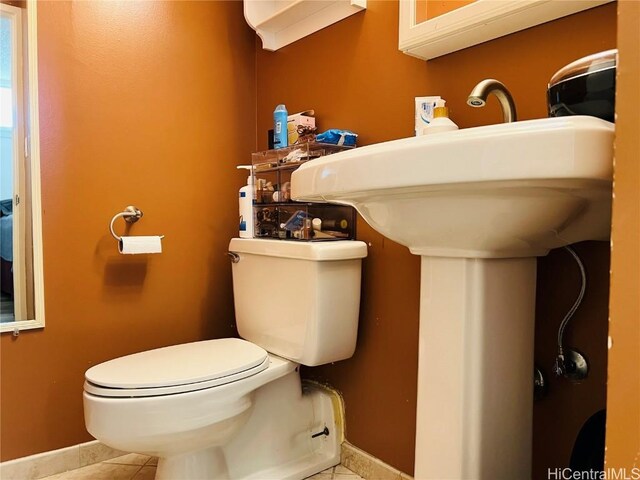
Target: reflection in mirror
20,234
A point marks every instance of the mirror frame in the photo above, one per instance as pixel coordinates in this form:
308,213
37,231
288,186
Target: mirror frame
478,22
34,161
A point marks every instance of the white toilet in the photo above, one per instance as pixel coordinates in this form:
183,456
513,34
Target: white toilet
232,408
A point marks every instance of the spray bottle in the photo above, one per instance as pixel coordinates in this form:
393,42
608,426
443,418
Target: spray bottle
280,132
246,196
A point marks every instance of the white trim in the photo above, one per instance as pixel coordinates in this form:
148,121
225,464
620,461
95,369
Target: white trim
52,462
34,159
281,23
368,466
478,22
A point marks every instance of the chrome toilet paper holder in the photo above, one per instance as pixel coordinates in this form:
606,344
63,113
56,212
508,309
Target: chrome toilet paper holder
130,214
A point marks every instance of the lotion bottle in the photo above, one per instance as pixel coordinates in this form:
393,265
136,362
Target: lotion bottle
280,132
441,121
246,196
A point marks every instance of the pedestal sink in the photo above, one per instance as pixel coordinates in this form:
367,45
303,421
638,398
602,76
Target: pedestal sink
478,205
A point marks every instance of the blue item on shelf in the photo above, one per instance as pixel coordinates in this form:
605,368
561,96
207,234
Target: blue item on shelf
296,221
335,136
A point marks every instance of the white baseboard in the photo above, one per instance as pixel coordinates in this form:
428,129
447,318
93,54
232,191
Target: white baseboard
368,466
49,463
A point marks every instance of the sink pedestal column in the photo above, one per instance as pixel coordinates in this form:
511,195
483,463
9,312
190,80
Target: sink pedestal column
475,371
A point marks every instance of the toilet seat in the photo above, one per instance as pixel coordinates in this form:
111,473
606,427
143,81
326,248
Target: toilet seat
177,369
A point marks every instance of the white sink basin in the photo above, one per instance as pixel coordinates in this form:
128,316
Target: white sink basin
507,190
477,205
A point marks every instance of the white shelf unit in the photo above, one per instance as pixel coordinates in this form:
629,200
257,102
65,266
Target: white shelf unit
281,22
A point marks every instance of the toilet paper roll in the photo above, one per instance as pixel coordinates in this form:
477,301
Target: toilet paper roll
140,244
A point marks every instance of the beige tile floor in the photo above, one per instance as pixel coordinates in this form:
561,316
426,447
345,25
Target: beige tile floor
142,467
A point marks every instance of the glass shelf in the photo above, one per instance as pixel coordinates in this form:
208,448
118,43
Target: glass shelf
276,159
276,216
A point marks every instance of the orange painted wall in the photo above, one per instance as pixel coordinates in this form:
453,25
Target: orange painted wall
144,103
623,393
428,9
354,77
137,100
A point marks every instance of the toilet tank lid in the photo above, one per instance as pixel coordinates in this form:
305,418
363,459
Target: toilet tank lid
316,251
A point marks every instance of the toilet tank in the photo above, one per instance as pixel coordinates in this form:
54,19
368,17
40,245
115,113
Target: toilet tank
298,300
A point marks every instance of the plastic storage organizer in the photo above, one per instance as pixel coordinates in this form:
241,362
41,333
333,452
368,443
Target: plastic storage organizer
275,215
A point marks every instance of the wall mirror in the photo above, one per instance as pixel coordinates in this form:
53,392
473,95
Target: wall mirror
21,280
432,28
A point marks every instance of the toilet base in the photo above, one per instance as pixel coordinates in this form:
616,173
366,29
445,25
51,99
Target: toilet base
276,442
205,464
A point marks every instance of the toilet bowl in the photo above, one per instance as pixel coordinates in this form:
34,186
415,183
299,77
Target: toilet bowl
229,408
182,424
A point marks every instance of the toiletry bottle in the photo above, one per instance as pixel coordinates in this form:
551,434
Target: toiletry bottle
306,232
280,133
246,197
441,121
424,113
333,224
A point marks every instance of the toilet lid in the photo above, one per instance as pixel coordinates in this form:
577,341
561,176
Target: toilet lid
177,369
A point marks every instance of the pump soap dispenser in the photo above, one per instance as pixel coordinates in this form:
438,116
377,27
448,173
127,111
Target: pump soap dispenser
246,196
441,121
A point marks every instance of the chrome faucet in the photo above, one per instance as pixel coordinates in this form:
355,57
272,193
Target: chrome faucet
479,94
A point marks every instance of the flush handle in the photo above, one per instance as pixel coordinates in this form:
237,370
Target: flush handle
235,258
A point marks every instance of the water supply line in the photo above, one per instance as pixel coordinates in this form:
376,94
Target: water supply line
570,363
